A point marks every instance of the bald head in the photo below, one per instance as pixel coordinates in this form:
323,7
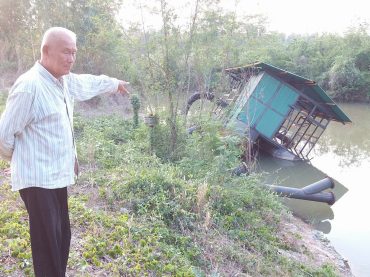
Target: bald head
54,34
58,51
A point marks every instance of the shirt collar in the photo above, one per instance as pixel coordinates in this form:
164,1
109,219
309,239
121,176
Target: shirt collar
47,75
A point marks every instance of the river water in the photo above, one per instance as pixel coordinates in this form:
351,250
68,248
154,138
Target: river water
343,153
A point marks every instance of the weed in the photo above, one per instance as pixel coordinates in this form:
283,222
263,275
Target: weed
162,213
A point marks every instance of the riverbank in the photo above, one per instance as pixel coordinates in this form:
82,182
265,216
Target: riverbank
134,214
311,246
303,244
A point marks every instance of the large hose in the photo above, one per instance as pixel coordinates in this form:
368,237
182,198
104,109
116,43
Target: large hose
313,192
208,95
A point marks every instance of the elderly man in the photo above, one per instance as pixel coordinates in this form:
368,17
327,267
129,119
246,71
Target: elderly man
36,135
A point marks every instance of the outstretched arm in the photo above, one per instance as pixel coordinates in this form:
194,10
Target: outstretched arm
85,86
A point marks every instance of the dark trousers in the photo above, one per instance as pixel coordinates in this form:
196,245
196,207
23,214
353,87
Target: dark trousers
49,229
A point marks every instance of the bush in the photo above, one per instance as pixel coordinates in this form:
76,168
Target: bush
185,218
160,137
209,155
158,194
347,82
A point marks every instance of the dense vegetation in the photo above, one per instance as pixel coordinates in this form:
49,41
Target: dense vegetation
133,213
180,57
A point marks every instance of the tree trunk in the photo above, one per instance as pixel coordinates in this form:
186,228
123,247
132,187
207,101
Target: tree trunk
19,59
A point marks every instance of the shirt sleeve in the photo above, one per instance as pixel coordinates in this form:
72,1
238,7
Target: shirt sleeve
16,116
85,86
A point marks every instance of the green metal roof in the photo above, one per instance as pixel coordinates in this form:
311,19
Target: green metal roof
307,87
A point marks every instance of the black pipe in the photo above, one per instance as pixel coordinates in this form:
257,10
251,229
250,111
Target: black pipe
241,169
313,192
196,96
206,95
319,186
326,197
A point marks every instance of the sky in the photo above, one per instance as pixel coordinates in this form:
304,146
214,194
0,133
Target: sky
307,17
285,16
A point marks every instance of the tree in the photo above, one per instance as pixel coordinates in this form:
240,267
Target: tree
94,22
345,79
16,36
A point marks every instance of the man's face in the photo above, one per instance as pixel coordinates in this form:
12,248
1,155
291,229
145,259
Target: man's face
61,55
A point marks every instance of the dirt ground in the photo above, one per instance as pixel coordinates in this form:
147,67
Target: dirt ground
310,246
108,104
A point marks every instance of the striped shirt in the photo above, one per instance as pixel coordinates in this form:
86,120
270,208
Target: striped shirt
36,126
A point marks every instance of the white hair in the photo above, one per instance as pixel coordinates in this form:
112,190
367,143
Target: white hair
55,31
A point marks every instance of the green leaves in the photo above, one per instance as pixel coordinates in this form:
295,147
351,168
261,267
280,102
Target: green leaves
14,236
135,214
169,205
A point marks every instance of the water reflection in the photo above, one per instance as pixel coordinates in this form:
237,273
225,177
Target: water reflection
298,175
343,153
350,143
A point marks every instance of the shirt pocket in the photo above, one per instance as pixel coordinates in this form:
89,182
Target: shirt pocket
51,116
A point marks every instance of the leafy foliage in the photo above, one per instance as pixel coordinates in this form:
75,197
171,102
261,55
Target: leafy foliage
135,214
135,102
14,236
177,59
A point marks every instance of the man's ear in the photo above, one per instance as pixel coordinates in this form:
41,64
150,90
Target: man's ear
45,50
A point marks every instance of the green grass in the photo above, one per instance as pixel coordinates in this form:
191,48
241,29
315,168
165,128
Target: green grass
14,236
138,210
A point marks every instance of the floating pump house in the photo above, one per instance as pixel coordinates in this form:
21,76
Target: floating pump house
283,113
